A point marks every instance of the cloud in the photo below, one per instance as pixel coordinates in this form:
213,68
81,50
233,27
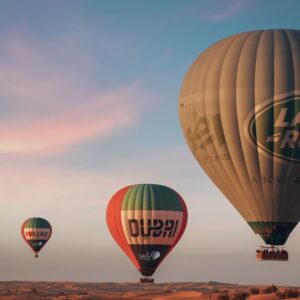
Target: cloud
48,186
97,118
48,107
160,166
213,11
229,10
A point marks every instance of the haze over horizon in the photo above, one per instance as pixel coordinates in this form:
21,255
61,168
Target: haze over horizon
89,104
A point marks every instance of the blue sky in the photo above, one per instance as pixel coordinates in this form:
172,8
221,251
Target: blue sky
88,93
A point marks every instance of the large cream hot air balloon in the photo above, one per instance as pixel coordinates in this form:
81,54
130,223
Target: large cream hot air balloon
239,109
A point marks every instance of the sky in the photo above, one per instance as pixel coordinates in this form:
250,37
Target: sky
89,104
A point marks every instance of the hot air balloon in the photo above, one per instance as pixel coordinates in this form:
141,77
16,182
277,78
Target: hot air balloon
36,232
146,221
239,109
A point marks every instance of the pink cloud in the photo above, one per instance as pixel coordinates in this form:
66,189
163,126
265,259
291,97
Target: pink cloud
97,118
53,107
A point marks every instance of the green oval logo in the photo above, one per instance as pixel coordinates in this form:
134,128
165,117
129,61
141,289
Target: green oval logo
275,128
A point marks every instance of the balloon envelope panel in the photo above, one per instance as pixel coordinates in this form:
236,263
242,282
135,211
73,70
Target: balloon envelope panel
239,109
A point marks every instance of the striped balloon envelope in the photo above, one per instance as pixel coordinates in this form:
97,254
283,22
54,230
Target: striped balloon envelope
36,232
239,109
147,221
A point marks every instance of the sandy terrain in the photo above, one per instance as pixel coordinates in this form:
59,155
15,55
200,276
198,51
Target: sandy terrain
16,290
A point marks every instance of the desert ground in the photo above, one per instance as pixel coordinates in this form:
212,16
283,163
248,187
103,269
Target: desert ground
17,290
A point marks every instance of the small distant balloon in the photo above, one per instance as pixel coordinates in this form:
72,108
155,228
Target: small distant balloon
36,232
147,221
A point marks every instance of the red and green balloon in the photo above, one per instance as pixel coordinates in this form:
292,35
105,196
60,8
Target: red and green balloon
36,232
146,221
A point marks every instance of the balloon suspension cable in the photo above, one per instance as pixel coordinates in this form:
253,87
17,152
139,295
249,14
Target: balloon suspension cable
146,280
274,253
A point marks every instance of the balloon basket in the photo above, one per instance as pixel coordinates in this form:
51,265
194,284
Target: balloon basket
147,280
272,253
36,255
